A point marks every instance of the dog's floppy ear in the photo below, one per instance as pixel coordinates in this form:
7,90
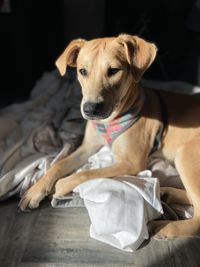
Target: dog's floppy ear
139,53
69,56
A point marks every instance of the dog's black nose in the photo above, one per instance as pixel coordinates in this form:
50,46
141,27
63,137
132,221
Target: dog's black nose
93,109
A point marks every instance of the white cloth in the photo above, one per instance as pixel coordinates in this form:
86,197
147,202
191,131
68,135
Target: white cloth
120,208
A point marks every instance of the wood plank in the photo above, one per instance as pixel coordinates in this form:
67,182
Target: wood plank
60,237
16,235
186,252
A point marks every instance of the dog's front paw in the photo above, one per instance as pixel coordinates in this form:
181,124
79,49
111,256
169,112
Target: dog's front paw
64,186
32,198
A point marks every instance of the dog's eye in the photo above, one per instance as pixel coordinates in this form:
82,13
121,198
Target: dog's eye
112,71
83,72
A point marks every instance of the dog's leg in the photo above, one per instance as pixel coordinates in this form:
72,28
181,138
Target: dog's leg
187,162
66,185
124,164
174,195
44,186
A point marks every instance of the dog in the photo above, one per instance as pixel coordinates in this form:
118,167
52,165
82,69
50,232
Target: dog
134,121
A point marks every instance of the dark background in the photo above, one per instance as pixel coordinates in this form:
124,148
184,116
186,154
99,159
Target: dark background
35,32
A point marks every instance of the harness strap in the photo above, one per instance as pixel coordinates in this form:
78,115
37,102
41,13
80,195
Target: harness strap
164,118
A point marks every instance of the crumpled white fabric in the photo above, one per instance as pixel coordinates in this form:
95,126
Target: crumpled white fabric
120,208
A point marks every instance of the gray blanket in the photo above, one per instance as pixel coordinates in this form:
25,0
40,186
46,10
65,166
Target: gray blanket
37,133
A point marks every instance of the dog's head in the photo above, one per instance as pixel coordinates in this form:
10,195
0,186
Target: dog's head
106,68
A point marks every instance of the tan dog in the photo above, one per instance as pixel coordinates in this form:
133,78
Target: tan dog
109,71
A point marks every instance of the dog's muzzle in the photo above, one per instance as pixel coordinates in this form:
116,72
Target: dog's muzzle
93,109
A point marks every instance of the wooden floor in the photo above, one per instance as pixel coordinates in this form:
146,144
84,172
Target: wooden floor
60,237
